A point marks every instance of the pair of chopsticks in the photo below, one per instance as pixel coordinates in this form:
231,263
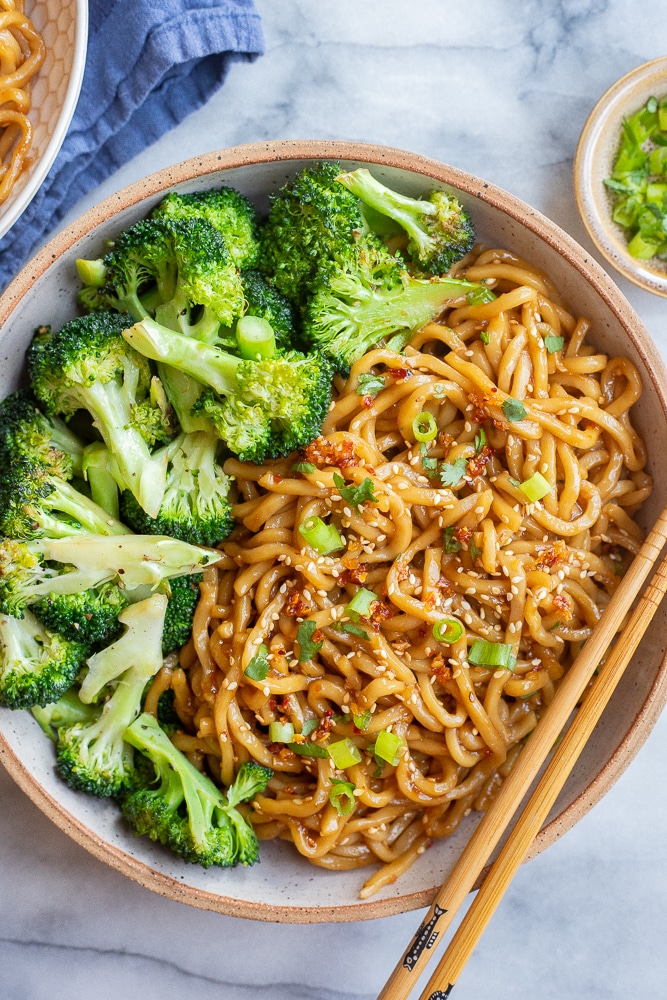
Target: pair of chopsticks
497,819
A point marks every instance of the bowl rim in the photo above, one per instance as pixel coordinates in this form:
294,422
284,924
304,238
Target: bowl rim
288,150
17,207
607,237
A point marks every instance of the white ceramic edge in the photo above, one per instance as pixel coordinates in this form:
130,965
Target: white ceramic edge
16,210
607,237
574,254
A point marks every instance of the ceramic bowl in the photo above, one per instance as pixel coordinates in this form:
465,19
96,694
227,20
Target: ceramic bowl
64,28
596,151
284,887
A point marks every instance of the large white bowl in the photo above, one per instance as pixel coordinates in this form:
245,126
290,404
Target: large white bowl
284,887
63,25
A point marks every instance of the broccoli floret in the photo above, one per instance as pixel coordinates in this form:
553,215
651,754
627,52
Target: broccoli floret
232,214
88,365
178,270
186,811
362,304
181,607
38,569
267,303
440,230
89,617
26,432
261,409
309,217
34,501
196,506
94,757
36,665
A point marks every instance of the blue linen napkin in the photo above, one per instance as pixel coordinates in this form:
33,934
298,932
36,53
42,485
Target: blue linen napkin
149,64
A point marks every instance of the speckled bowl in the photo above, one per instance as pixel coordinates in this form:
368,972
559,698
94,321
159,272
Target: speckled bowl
596,151
284,887
64,28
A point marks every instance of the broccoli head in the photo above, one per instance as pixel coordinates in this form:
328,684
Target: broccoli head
36,665
225,208
26,432
261,409
184,810
68,710
88,365
440,230
176,269
311,219
267,303
196,505
89,617
364,302
181,606
93,757
34,502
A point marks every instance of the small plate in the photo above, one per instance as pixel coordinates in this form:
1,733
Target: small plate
593,163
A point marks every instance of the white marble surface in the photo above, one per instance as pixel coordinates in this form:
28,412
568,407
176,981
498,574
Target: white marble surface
501,89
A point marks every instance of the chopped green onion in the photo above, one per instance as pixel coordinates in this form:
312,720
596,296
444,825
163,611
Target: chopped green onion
258,668
514,410
351,629
281,732
424,426
308,749
474,550
322,537
484,336
309,726
447,630
304,636
361,604
483,653
536,487
361,721
388,747
355,495
342,796
553,343
307,468
344,753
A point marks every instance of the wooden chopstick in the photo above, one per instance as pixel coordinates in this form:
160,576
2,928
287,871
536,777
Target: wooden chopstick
542,799
495,821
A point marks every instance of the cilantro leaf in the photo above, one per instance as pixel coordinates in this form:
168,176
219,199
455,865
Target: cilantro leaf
370,384
514,410
305,467
355,495
304,636
452,544
452,473
553,343
258,668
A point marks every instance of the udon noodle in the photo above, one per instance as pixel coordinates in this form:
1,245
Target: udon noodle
457,554
22,53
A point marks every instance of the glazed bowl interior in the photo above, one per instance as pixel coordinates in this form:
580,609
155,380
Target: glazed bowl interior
284,887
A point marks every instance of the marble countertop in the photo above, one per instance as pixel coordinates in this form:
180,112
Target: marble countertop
502,90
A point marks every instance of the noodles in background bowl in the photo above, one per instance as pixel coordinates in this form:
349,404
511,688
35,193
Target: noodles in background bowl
437,531
22,53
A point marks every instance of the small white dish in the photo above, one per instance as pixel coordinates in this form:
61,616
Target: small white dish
593,163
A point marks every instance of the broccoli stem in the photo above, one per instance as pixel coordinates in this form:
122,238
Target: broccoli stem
90,515
97,473
255,338
204,362
402,209
142,474
183,391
